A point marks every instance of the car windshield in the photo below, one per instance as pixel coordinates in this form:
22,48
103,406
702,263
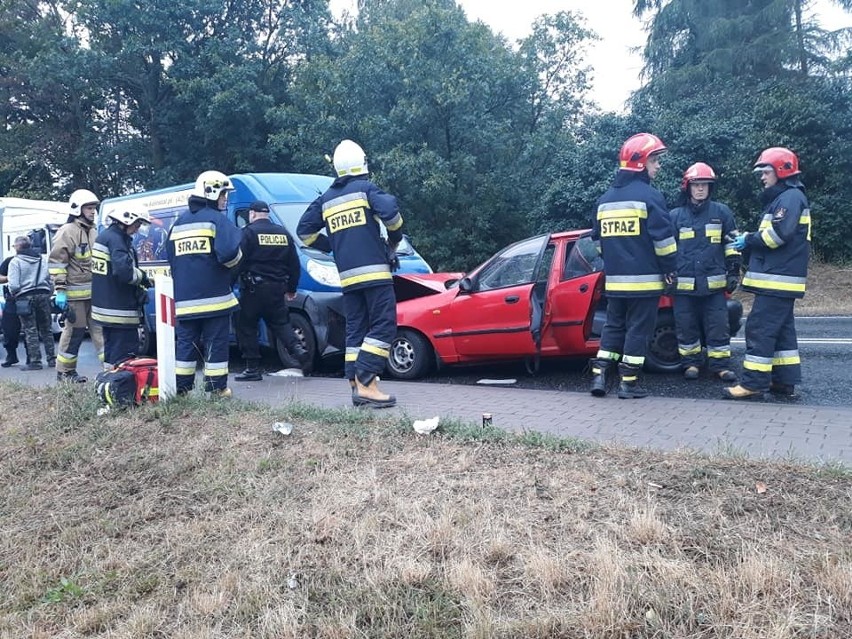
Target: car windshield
512,266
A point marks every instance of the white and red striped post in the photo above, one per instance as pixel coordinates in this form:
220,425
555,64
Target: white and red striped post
164,292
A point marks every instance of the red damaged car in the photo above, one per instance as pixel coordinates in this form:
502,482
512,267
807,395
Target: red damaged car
540,297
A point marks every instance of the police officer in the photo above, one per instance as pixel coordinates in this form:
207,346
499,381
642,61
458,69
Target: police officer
777,274
202,247
640,258
70,266
707,266
118,284
269,275
350,210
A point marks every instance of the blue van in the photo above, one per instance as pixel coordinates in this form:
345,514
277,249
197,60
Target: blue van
317,312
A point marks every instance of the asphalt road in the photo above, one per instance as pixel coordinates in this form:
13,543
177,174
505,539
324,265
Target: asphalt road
825,344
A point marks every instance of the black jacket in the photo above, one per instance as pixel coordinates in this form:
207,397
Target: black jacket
116,279
269,252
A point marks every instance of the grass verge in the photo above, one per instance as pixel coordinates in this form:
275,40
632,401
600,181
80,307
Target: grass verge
196,519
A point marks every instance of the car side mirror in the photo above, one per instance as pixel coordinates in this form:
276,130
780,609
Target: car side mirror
466,285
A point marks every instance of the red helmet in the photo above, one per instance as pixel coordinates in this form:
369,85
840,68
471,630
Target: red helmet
636,151
784,161
698,172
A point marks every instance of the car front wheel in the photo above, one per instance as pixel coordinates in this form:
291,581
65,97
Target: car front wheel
411,355
662,356
304,333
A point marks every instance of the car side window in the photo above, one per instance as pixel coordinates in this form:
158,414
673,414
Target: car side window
515,265
242,218
582,258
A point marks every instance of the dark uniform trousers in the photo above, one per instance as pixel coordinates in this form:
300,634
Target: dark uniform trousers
630,322
11,329
772,350
370,328
207,337
266,301
694,313
37,325
120,343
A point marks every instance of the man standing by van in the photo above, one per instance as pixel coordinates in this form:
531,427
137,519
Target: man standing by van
11,322
70,266
350,211
269,275
202,248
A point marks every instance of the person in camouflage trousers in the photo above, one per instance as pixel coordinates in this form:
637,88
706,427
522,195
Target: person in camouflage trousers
29,282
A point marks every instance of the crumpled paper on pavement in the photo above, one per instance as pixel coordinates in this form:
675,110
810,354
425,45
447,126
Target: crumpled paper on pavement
287,372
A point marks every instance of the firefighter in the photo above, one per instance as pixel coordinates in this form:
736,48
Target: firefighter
707,266
203,247
350,211
119,286
269,275
640,257
777,273
70,266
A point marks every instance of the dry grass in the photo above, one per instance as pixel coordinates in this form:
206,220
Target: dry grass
828,291
196,520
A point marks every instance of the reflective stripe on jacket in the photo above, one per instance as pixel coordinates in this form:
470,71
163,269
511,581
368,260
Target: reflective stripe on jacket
70,261
203,246
116,277
636,236
351,211
779,250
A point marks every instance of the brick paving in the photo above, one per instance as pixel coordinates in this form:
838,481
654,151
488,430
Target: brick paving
758,429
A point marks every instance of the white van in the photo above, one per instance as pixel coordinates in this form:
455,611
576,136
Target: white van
38,219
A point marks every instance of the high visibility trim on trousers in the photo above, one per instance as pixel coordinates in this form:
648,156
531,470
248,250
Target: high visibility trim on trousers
185,368
629,378
760,364
206,305
633,360
786,358
66,358
775,282
376,347
718,352
215,369
608,355
689,349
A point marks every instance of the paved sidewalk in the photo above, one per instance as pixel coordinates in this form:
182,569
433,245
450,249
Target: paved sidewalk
759,429
756,428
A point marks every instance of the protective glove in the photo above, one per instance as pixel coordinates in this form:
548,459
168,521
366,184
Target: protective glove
393,258
61,300
671,283
739,242
732,281
146,281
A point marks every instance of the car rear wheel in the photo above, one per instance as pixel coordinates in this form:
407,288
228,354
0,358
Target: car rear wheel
411,355
305,334
662,356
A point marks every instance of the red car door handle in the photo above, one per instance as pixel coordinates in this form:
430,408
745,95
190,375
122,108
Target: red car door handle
584,288
512,299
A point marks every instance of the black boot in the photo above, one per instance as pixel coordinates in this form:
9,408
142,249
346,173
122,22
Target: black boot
11,359
251,373
600,374
629,387
304,357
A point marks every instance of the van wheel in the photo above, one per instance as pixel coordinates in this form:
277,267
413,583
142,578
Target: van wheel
411,356
147,342
305,333
663,356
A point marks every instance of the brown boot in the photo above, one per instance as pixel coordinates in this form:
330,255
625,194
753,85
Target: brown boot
740,392
370,395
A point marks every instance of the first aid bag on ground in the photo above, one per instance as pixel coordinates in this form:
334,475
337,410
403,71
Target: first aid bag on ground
132,383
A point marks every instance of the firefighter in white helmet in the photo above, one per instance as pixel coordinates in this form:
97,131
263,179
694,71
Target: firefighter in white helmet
351,210
70,266
119,286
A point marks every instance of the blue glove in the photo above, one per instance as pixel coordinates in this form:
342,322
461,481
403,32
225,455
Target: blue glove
61,300
739,242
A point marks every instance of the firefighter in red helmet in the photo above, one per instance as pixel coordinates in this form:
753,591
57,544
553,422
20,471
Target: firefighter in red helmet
640,258
707,266
777,273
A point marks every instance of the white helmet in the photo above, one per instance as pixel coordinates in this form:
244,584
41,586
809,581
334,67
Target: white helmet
79,199
127,215
210,184
349,159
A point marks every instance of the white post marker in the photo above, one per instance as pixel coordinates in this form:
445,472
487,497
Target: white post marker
164,293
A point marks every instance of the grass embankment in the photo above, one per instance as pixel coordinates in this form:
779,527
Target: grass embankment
197,520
